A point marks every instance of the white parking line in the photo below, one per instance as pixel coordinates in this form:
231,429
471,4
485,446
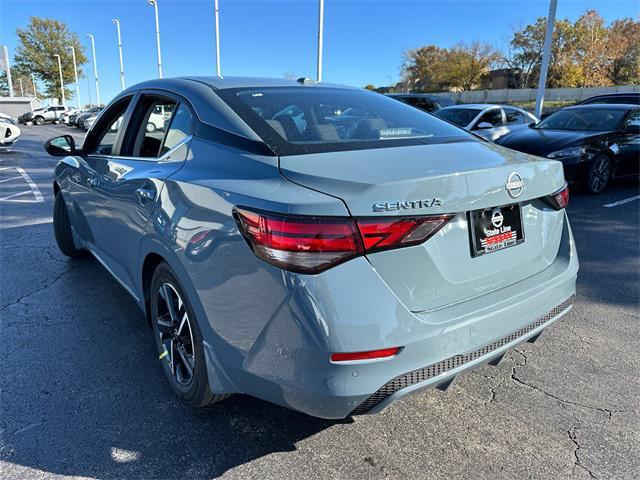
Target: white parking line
10,178
32,185
622,202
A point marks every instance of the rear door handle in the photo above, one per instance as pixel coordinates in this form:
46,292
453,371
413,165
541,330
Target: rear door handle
145,195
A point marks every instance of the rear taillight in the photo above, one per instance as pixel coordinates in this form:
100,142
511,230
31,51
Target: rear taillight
370,355
559,199
307,244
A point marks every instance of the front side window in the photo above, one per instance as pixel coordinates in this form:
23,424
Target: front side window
299,120
109,128
584,119
514,117
493,117
633,120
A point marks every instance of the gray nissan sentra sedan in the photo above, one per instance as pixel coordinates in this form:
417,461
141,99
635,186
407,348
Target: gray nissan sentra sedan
321,247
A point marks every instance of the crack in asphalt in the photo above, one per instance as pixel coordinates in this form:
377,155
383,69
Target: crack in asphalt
572,435
44,287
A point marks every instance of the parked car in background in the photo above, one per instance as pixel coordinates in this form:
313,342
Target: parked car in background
43,115
609,98
80,119
337,269
486,120
595,142
423,101
88,121
65,117
9,131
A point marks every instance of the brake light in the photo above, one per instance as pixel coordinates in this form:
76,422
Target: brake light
385,233
370,355
307,244
559,199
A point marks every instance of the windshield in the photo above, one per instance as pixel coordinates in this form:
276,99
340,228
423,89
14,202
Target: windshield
459,116
297,120
583,119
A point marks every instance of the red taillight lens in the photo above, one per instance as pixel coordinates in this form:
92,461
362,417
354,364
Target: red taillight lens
370,355
313,244
385,233
559,199
300,244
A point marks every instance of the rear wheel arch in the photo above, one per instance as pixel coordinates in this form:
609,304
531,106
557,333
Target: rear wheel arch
149,265
56,189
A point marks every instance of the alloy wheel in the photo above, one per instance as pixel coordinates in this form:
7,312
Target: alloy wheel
600,174
176,337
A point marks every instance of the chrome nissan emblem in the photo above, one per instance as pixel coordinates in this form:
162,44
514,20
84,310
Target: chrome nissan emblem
514,185
497,218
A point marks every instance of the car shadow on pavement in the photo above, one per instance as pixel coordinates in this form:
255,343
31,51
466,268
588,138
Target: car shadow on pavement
83,393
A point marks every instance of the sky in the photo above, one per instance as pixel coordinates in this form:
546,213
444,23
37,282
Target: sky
363,39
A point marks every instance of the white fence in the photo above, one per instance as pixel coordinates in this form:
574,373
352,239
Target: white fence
529,94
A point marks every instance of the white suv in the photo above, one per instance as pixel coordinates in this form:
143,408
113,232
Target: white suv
42,115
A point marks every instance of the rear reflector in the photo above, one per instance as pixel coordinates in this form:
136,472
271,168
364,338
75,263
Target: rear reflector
370,355
559,199
307,244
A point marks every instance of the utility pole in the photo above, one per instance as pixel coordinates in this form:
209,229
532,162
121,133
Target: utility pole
320,38
61,81
218,73
95,66
155,8
546,54
75,72
5,51
117,24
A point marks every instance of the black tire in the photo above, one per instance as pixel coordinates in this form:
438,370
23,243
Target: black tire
62,229
191,387
599,174
38,120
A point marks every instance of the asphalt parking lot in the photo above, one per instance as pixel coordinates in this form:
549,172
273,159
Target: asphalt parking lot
83,395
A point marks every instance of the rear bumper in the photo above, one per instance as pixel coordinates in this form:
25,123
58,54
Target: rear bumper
344,309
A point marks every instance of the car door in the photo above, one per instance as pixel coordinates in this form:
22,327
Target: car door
132,179
490,125
627,142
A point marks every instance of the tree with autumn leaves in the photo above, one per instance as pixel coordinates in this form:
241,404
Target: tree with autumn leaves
584,53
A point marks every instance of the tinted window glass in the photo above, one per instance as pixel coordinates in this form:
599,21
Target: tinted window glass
151,128
420,102
492,117
633,119
180,128
109,127
584,119
459,116
296,120
514,116
618,99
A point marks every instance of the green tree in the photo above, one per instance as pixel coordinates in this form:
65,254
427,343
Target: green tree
422,68
38,43
16,76
622,60
370,87
465,64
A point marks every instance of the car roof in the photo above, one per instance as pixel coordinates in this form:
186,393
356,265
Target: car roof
479,105
219,83
423,95
603,106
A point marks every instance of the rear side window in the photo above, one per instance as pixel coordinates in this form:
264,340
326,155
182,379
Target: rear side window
300,120
514,117
492,117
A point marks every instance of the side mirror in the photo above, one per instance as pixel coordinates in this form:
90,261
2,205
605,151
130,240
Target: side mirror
61,146
483,126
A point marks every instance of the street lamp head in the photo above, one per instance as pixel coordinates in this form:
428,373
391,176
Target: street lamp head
152,2
116,21
89,35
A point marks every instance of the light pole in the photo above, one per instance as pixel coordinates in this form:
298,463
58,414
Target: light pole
217,40
117,23
21,90
61,81
320,35
95,66
155,8
5,53
546,54
75,72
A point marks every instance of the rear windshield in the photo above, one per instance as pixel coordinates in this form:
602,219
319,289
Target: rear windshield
459,116
299,120
583,119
